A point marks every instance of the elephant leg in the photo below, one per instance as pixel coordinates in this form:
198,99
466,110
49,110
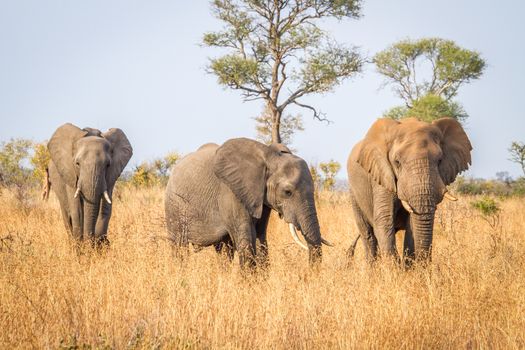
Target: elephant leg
369,239
370,245
76,215
245,244
67,220
179,225
387,242
101,229
365,232
262,251
409,252
262,244
384,222
226,248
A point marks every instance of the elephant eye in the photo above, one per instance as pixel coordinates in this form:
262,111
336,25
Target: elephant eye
287,193
397,163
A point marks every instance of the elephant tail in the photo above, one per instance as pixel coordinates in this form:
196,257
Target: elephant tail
46,185
351,250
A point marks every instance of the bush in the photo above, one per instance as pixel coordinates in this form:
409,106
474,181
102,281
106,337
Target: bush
40,161
23,166
503,186
155,172
324,175
13,159
486,206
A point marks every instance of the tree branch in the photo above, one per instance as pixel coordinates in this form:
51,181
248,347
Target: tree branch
316,114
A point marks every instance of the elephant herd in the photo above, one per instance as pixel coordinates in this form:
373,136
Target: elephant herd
222,195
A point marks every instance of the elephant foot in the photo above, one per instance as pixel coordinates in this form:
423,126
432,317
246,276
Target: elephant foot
100,244
225,248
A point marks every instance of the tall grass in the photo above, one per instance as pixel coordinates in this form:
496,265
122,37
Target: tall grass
138,295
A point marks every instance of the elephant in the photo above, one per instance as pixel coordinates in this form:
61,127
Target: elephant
223,196
397,175
84,166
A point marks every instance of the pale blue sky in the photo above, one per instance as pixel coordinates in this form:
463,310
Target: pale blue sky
138,65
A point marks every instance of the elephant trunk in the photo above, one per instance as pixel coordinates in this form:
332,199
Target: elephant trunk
90,218
309,226
423,196
422,229
92,190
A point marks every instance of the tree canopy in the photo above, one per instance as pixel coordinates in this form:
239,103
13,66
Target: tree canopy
427,74
428,108
276,51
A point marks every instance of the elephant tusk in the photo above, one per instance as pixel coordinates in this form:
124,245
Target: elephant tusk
407,206
449,197
77,192
325,242
293,231
106,197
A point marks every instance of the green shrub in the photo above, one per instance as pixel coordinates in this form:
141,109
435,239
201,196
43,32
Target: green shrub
486,206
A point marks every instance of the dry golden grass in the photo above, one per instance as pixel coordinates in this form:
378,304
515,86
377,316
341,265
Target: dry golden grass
137,295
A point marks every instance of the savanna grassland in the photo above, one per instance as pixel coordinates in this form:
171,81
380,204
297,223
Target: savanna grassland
138,295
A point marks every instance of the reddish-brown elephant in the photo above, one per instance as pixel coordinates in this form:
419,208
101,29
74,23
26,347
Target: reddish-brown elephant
398,174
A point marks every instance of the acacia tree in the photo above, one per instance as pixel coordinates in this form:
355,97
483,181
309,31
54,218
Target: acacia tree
277,52
517,154
427,74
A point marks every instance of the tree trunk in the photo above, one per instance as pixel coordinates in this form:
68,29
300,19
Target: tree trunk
276,124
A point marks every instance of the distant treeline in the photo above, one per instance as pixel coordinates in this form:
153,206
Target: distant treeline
23,165
502,186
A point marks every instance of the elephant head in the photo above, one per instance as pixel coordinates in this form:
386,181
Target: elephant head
272,176
90,162
416,160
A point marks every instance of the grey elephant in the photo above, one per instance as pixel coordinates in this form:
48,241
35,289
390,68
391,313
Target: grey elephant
85,164
223,196
398,174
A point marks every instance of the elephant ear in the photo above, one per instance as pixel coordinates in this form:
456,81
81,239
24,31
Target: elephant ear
61,148
373,155
241,165
121,152
456,149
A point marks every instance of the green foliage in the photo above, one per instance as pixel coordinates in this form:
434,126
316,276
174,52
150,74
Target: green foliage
503,186
40,160
154,172
487,206
275,51
428,108
235,71
316,177
450,65
13,154
323,69
144,176
490,213
398,112
324,175
517,154
428,97
289,126
329,170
